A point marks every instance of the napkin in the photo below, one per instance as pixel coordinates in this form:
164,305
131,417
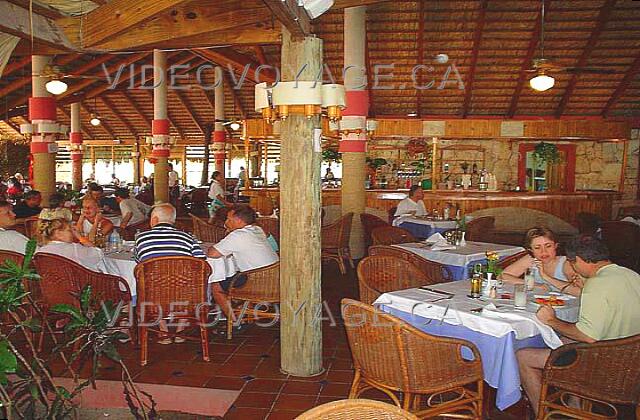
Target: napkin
439,242
436,237
547,333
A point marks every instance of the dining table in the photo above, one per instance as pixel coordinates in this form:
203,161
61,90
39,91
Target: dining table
460,259
122,263
494,326
423,226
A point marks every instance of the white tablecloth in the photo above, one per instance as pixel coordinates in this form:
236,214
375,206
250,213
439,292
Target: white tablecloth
434,224
462,255
122,264
457,311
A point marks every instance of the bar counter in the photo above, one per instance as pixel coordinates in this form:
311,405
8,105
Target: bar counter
565,205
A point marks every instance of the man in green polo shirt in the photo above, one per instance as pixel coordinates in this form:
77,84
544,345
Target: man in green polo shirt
609,309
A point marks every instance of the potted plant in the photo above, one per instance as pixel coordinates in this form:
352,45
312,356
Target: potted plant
330,155
546,153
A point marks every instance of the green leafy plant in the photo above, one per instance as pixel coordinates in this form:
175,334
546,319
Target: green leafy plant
376,163
547,152
330,155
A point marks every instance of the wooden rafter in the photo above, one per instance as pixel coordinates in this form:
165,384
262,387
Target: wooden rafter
187,107
526,63
226,57
15,65
130,101
477,38
420,35
629,76
292,16
149,75
343,4
17,21
13,126
118,16
234,95
103,124
603,18
120,116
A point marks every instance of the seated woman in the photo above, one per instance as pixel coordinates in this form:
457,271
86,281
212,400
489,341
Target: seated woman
56,237
56,209
553,269
92,224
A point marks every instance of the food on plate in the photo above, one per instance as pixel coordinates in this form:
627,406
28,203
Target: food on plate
549,300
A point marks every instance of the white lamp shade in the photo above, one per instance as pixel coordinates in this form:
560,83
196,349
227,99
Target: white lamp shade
542,82
262,96
234,126
95,121
334,95
56,87
316,8
297,93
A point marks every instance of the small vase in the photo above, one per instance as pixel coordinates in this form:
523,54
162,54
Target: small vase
462,241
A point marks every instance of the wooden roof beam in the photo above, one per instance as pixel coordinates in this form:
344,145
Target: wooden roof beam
477,39
118,16
16,64
15,127
343,4
603,18
526,63
262,59
103,124
109,105
227,57
129,100
17,21
83,126
39,9
187,107
629,77
292,16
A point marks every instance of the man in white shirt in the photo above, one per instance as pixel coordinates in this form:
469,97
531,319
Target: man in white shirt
10,240
248,245
412,204
133,211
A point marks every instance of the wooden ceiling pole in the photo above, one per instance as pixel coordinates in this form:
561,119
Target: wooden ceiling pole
292,16
343,4
129,100
109,105
526,63
631,74
103,124
477,39
420,36
16,21
83,126
603,18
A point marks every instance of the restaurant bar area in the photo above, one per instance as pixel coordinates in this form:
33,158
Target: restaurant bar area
320,209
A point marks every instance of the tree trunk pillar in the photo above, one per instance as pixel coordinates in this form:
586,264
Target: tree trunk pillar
75,140
220,134
160,129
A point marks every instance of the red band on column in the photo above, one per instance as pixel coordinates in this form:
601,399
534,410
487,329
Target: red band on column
219,155
160,127
160,153
219,136
357,103
76,157
353,146
42,108
75,138
40,147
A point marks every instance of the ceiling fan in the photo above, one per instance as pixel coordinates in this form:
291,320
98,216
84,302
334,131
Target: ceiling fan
56,85
233,124
543,67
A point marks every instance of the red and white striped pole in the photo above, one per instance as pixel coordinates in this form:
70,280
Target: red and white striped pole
160,129
353,145
219,133
75,142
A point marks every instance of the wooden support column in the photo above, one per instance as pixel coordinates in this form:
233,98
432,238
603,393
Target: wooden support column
247,144
135,158
220,134
93,161
160,128
353,145
75,140
184,165
208,132
300,296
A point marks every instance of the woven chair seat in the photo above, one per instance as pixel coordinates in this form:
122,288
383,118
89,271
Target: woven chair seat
360,409
378,274
207,232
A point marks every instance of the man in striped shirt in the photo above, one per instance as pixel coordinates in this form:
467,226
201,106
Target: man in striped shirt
164,240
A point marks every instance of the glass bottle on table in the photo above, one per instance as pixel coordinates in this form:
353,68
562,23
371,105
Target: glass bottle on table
520,296
530,278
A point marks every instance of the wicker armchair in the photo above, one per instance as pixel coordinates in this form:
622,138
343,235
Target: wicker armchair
391,213
335,241
129,233
421,373
434,272
506,262
370,222
481,229
163,281
622,239
262,286
360,409
270,225
206,232
601,374
198,201
262,204
391,235
385,273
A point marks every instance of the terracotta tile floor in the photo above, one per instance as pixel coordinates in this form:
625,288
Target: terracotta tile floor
250,363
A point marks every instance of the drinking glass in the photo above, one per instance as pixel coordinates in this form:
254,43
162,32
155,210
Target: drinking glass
520,296
529,279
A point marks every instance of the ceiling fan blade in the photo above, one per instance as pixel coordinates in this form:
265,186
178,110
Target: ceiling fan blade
591,70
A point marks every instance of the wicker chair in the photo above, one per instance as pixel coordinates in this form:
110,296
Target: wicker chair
391,213
506,262
62,278
370,222
601,374
361,409
262,205
335,241
163,281
385,273
270,225
129,233
481,229
391,235
262,286
622,239
206,232
434,272
396,358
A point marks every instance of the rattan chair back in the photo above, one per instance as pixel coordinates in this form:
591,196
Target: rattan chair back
270,226
393,356
262,204
361,409
622,239
480,229
15,257
391,235
606,371
206,232
506,262
434,272
370,222
335,241
386,273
